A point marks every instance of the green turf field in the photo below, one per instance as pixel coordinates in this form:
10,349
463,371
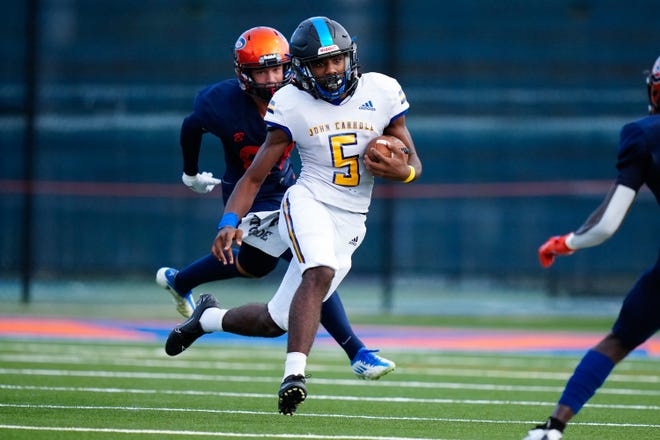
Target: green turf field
69,389
84,390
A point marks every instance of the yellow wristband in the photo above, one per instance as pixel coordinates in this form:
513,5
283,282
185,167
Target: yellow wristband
411,176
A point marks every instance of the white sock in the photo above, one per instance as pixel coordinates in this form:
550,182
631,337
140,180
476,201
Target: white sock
211,319
295,364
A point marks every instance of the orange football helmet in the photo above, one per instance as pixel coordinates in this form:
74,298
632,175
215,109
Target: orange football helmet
258,48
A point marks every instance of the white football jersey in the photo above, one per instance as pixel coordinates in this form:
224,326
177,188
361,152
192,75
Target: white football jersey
331,139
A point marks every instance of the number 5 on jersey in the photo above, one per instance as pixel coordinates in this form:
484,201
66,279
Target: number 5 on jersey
350,176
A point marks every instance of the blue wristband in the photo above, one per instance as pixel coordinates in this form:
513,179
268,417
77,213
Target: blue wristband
228,219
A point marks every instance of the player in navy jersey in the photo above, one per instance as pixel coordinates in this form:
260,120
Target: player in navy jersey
332,113
638,164
233,111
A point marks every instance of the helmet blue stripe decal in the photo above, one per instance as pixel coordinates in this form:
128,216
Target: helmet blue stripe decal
322,29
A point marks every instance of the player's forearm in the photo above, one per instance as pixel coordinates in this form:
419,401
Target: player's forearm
242,197
191,141
413,160
605,221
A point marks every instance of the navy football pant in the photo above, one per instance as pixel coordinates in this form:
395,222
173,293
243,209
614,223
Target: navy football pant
639,318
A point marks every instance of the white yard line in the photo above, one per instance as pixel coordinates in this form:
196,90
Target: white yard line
226,394
202,433
94,359
313,415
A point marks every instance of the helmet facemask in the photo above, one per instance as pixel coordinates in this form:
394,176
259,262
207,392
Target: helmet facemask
263,91
328,87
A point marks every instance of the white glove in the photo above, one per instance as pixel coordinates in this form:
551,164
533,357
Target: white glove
201,183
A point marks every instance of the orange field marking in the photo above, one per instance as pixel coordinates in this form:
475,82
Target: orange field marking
418,338
69,329
452,339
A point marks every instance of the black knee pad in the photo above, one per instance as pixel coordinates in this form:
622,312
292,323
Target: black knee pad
256,262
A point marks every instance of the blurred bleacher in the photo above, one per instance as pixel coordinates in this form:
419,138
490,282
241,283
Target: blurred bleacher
515,110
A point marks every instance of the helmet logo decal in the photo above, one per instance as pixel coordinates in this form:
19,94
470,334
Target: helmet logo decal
327,49
240,43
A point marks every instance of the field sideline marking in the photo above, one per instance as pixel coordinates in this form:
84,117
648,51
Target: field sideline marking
341,416
319,397
351,382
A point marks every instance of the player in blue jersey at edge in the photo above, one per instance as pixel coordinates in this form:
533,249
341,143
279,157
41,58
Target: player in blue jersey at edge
638,163
233,110
332,113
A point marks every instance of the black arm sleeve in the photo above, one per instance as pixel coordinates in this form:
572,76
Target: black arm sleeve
191,141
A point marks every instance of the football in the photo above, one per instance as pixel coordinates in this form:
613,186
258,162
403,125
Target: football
381,143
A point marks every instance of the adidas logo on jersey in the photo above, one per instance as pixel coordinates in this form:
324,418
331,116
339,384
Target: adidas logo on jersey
354,241
367,106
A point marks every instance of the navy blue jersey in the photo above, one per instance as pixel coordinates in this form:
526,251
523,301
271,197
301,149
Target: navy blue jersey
638,163
638,159
229,113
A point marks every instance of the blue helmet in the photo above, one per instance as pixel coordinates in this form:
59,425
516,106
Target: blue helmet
321,37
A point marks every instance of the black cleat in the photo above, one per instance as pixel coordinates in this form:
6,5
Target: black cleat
184,334
292,393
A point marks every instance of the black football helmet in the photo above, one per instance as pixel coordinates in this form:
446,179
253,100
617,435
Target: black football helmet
258,48
653,87
321,37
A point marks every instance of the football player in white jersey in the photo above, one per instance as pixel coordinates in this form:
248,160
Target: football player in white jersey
331,113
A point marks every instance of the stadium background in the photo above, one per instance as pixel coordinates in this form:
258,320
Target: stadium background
515,109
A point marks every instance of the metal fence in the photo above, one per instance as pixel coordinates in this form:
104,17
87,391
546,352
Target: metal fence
515,110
